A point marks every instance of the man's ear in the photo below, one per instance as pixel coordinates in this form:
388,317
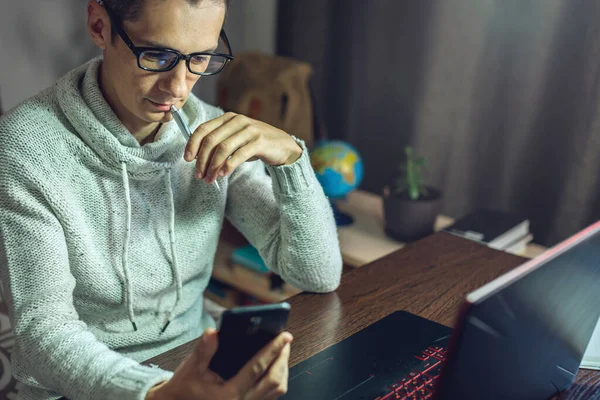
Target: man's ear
98,25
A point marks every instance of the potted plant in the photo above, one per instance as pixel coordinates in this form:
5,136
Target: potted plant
410,206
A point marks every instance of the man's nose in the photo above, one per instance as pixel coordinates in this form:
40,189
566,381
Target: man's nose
175,81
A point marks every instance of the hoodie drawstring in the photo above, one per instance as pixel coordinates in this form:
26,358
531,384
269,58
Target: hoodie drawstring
174,265
128,285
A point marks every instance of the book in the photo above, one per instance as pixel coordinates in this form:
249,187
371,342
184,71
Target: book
519,246
591,358
497,229
249,257
222,294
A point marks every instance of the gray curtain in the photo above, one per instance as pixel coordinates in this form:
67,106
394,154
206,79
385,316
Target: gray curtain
500,96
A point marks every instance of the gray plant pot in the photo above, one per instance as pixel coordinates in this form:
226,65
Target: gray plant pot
407,220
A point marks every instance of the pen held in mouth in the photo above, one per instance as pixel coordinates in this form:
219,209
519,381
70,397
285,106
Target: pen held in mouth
185,130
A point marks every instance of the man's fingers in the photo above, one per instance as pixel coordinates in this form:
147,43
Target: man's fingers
276,381
227,148
250,373
209,145
212,377
191,149
205,349
214,139
240,156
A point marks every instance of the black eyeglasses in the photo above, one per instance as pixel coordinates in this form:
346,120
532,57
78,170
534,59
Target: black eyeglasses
157,59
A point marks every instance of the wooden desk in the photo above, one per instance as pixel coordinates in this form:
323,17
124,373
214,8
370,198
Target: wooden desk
428,278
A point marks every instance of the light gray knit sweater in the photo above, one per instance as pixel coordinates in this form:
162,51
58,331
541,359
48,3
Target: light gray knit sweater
102,241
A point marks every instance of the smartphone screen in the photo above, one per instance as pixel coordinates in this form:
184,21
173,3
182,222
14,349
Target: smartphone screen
243,332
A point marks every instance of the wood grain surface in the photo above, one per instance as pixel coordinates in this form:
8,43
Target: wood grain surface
428,278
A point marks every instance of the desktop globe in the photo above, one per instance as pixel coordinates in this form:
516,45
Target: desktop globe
339,169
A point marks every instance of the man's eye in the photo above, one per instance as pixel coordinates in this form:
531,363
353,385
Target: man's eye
159,57
200,59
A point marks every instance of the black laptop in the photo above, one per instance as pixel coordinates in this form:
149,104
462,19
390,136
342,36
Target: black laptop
521,336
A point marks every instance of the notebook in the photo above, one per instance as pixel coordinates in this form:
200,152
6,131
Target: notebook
496,228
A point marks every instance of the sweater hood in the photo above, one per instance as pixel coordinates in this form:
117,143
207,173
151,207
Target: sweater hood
84,106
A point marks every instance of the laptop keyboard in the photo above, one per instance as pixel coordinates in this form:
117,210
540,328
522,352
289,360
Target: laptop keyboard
420,383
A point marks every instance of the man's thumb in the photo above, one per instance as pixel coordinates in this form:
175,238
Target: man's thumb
205,349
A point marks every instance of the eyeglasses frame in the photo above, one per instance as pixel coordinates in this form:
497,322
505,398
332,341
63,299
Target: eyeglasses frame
137,51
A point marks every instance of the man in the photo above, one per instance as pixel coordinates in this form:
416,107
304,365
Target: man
109,218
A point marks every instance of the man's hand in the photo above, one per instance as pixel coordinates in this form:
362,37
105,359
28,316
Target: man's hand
224,143
265,376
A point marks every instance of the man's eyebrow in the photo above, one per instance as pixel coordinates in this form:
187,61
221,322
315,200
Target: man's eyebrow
150,43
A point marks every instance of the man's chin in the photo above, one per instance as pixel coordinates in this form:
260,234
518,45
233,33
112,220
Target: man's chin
166,117
157,116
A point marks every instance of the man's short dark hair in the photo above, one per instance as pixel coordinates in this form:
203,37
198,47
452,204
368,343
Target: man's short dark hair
129,10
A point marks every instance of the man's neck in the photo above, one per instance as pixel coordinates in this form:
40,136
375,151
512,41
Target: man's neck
142,140
142,131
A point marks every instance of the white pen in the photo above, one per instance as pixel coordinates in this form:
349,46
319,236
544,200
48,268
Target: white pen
185,130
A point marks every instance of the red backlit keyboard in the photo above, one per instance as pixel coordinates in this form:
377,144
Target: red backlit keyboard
420,383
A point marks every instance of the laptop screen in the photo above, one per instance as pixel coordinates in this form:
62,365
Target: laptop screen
524,334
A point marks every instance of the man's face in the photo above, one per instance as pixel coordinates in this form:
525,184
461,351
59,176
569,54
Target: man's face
141,97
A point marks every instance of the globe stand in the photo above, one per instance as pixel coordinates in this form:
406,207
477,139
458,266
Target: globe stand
341,218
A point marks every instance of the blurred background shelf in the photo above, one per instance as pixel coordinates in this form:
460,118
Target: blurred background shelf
365,240
246,280
252,287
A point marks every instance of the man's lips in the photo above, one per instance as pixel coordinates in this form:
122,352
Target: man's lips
161,106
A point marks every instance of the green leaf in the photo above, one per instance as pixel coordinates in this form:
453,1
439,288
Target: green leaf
410,175
413,193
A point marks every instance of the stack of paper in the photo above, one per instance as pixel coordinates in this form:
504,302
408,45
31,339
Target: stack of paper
591,358
498,229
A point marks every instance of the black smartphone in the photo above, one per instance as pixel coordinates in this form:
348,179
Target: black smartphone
243,332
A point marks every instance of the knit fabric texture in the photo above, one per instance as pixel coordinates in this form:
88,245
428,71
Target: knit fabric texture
106,246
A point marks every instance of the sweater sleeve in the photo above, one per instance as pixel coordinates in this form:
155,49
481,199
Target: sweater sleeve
289,220
54,350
